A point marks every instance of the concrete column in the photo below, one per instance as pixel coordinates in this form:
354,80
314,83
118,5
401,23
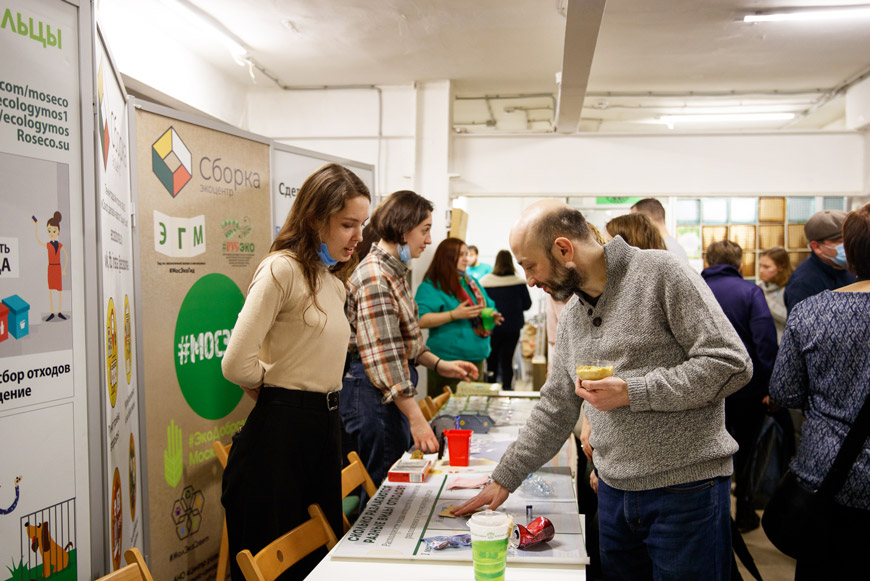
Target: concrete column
431,158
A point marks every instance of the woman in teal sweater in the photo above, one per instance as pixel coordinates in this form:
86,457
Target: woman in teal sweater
450,304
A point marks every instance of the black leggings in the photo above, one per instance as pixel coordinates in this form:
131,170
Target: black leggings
287,457
501,358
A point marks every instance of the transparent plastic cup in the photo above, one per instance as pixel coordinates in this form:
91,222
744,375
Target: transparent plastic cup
489,542
594,369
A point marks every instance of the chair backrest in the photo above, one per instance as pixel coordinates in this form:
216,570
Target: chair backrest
353,476
286,550
222,453
135,570
440,400
426,408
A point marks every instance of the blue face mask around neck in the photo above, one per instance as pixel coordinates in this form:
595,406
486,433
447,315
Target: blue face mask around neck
840,259
404,252
325,256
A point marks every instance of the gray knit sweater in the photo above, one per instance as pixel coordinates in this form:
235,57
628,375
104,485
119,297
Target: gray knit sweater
670,341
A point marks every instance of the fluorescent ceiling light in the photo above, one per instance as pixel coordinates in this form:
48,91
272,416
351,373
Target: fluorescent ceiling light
810,13
733,109
728,118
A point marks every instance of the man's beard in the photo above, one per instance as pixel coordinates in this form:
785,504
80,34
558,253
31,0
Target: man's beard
563,282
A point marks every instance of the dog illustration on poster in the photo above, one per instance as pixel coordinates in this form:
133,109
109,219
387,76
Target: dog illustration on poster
54,557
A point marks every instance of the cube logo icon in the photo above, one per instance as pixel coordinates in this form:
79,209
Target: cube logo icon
171,161
104,117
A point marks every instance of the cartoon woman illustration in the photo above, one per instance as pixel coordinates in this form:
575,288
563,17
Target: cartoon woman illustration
15,503
55,270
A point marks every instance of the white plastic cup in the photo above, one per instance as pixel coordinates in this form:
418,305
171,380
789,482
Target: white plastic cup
489,541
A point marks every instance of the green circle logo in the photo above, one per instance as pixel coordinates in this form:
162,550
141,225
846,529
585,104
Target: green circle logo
202,333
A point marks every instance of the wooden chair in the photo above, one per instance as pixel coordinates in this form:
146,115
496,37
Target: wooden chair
135,570
286,550
352,477
440,400
223,453
433,408
426,409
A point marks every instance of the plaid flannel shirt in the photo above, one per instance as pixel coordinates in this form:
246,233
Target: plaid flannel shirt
384,322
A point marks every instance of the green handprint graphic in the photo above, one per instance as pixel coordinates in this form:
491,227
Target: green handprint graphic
173,456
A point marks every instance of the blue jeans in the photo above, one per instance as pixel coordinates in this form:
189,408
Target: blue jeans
381,432
676,532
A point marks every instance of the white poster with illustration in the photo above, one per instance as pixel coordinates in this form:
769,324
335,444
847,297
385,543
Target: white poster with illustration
291,166
118,326
43,412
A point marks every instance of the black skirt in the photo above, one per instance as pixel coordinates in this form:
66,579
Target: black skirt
287,456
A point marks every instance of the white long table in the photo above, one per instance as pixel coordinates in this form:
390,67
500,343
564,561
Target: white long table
386,542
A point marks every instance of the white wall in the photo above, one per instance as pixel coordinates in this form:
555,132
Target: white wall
858,105
148,50
344,123
622,165
489,222
866,190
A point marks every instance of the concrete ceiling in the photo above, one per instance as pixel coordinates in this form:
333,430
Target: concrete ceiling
650,55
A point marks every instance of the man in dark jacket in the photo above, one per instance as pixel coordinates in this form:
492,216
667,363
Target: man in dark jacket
825,269
745,306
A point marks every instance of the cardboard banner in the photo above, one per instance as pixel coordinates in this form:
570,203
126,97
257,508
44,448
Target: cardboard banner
203,226
43,396
292,166
118,321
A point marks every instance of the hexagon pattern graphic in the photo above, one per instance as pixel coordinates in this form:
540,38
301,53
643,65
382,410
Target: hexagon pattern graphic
171,161
187,512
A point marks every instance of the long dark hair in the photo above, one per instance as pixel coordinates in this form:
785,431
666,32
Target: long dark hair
442,272
324,193
504,264
856,240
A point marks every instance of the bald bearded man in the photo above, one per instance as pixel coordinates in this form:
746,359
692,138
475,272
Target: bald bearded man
661,450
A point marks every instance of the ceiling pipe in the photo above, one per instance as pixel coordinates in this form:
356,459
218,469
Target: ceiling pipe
582,23
830,95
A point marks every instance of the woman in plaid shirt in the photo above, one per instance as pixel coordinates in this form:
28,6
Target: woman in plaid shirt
377,400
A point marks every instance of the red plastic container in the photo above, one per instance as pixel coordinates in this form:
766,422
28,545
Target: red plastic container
457,444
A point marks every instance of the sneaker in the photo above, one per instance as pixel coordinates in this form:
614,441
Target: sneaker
61,316
50,317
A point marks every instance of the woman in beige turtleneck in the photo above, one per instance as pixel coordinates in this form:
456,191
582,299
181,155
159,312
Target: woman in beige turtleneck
283,354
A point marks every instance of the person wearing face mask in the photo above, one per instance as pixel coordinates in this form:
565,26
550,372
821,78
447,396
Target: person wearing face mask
451,305
377,404
282,354
825,269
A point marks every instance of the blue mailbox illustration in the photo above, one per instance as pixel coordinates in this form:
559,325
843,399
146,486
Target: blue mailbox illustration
19,316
